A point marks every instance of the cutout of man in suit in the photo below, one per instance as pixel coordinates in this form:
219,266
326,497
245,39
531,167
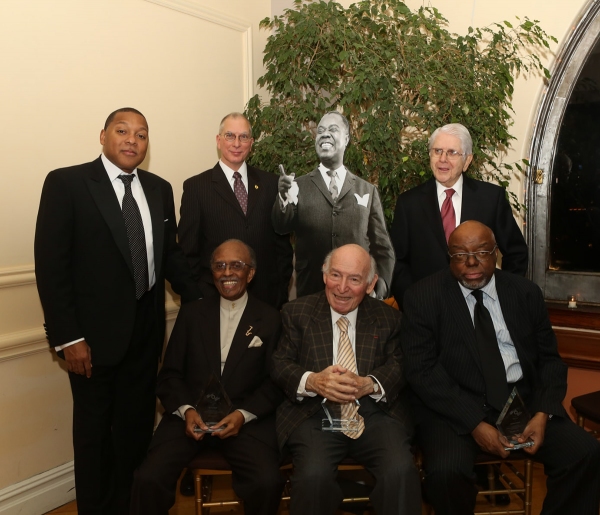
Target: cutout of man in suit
211,214
307,366
330,211
454,413
109,334
233,337
418,234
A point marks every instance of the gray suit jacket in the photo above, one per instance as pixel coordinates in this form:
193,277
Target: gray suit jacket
322,225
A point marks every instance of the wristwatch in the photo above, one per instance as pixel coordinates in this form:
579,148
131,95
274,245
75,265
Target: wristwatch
375,386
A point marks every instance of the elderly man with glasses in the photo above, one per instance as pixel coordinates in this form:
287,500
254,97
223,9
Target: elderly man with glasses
471,334
426,215
229,338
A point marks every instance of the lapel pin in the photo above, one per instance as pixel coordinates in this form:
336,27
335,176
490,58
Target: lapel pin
256,186
249,331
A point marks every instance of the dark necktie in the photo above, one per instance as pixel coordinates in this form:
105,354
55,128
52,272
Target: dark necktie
494,372
448,214
240,191
333,189
136,237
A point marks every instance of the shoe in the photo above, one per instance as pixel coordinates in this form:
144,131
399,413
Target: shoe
186,487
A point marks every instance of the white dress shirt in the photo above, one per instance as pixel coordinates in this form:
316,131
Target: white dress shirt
230,171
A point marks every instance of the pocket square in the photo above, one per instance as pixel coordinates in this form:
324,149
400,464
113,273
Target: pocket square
362,201
256,342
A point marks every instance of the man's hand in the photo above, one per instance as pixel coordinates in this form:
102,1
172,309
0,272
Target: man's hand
364,384
192,421
490,440
285,182
334,383
231,425
79,358
534,431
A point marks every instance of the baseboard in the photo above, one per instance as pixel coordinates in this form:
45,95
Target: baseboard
39,494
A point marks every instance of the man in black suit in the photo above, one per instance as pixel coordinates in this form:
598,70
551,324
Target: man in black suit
330,207
343,345
105,241
426,215
211,213
231,338
451,369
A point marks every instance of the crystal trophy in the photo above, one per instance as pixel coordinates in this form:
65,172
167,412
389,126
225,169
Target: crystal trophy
333,420
213,405
513,419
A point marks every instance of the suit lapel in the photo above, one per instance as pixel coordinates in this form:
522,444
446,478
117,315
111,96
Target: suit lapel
223,188
253,189
153,195
347,186
211,329
317,179
322,336
107,203
366,339
469,207
431,208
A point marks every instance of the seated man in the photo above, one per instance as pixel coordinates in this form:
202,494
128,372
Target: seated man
343,345
231,337
470,334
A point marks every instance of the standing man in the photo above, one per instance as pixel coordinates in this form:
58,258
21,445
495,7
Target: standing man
105,241
232,338
470,334
331,207
426,215
234,200
343,345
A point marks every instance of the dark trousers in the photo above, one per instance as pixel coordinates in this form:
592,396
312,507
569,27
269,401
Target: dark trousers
257,479
571,459
113,419
383,449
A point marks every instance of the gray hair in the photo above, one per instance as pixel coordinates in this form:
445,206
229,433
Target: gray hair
458,130
248,248
234,115
372,266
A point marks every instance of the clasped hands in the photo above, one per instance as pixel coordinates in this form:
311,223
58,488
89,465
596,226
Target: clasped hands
229,425
338,384
492,441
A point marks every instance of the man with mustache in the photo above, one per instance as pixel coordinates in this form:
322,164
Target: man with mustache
332,207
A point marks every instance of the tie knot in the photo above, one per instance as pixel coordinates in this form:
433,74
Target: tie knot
127,178
478,294
237,175
449,192
332,173
343,323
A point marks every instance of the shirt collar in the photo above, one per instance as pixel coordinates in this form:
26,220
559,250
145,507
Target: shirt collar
350,316
234,305
458,187
230,171
489,289
341,173
112,169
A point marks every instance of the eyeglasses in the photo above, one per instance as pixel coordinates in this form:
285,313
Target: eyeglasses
480,255
235,266
231,137
451,155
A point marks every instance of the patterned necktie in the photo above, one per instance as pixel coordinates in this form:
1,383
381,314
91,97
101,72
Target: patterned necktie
240,191
492,364
136,237
333,189
345,358
448,215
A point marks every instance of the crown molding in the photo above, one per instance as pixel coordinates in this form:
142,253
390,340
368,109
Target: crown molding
17,276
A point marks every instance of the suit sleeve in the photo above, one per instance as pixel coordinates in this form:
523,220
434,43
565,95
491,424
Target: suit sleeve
400,239
177,268
284,221
285,257
436,389
380,246
510,239
53,260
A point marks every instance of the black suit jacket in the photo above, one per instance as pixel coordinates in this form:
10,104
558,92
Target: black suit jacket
306,344
418,234
211,214
83,263
441,359
194,353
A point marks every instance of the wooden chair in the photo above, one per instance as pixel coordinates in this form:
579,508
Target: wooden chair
587,407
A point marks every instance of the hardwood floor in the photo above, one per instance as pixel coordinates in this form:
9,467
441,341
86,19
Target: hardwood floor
222,487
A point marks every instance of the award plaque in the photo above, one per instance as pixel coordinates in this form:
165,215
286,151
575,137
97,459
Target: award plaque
213,405
513,419
333,420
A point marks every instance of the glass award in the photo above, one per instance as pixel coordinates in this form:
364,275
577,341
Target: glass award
213,405
333,420
513,419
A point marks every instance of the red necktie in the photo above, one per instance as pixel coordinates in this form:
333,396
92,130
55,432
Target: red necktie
448,215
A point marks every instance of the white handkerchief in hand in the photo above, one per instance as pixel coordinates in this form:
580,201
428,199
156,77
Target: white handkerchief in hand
362,201
256,342
292,194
